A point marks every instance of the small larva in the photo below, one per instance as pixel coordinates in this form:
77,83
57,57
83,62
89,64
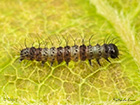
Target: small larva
69,53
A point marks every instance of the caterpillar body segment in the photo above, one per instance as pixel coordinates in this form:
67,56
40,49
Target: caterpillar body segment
69,53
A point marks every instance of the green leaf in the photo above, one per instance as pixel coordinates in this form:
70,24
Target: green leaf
28,82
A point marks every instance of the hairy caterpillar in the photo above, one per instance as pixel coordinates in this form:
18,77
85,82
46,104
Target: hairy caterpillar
69,53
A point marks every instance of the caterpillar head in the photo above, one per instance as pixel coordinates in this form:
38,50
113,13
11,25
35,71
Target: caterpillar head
113,51
24,54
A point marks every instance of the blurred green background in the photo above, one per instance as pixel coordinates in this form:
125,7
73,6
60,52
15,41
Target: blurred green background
79,83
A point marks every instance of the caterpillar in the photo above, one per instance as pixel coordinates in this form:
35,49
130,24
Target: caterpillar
68,53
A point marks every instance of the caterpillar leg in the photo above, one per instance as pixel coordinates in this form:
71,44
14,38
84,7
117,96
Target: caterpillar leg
51,63
98,61
90,62
67,63
43,62
60,61
20,60
108,60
